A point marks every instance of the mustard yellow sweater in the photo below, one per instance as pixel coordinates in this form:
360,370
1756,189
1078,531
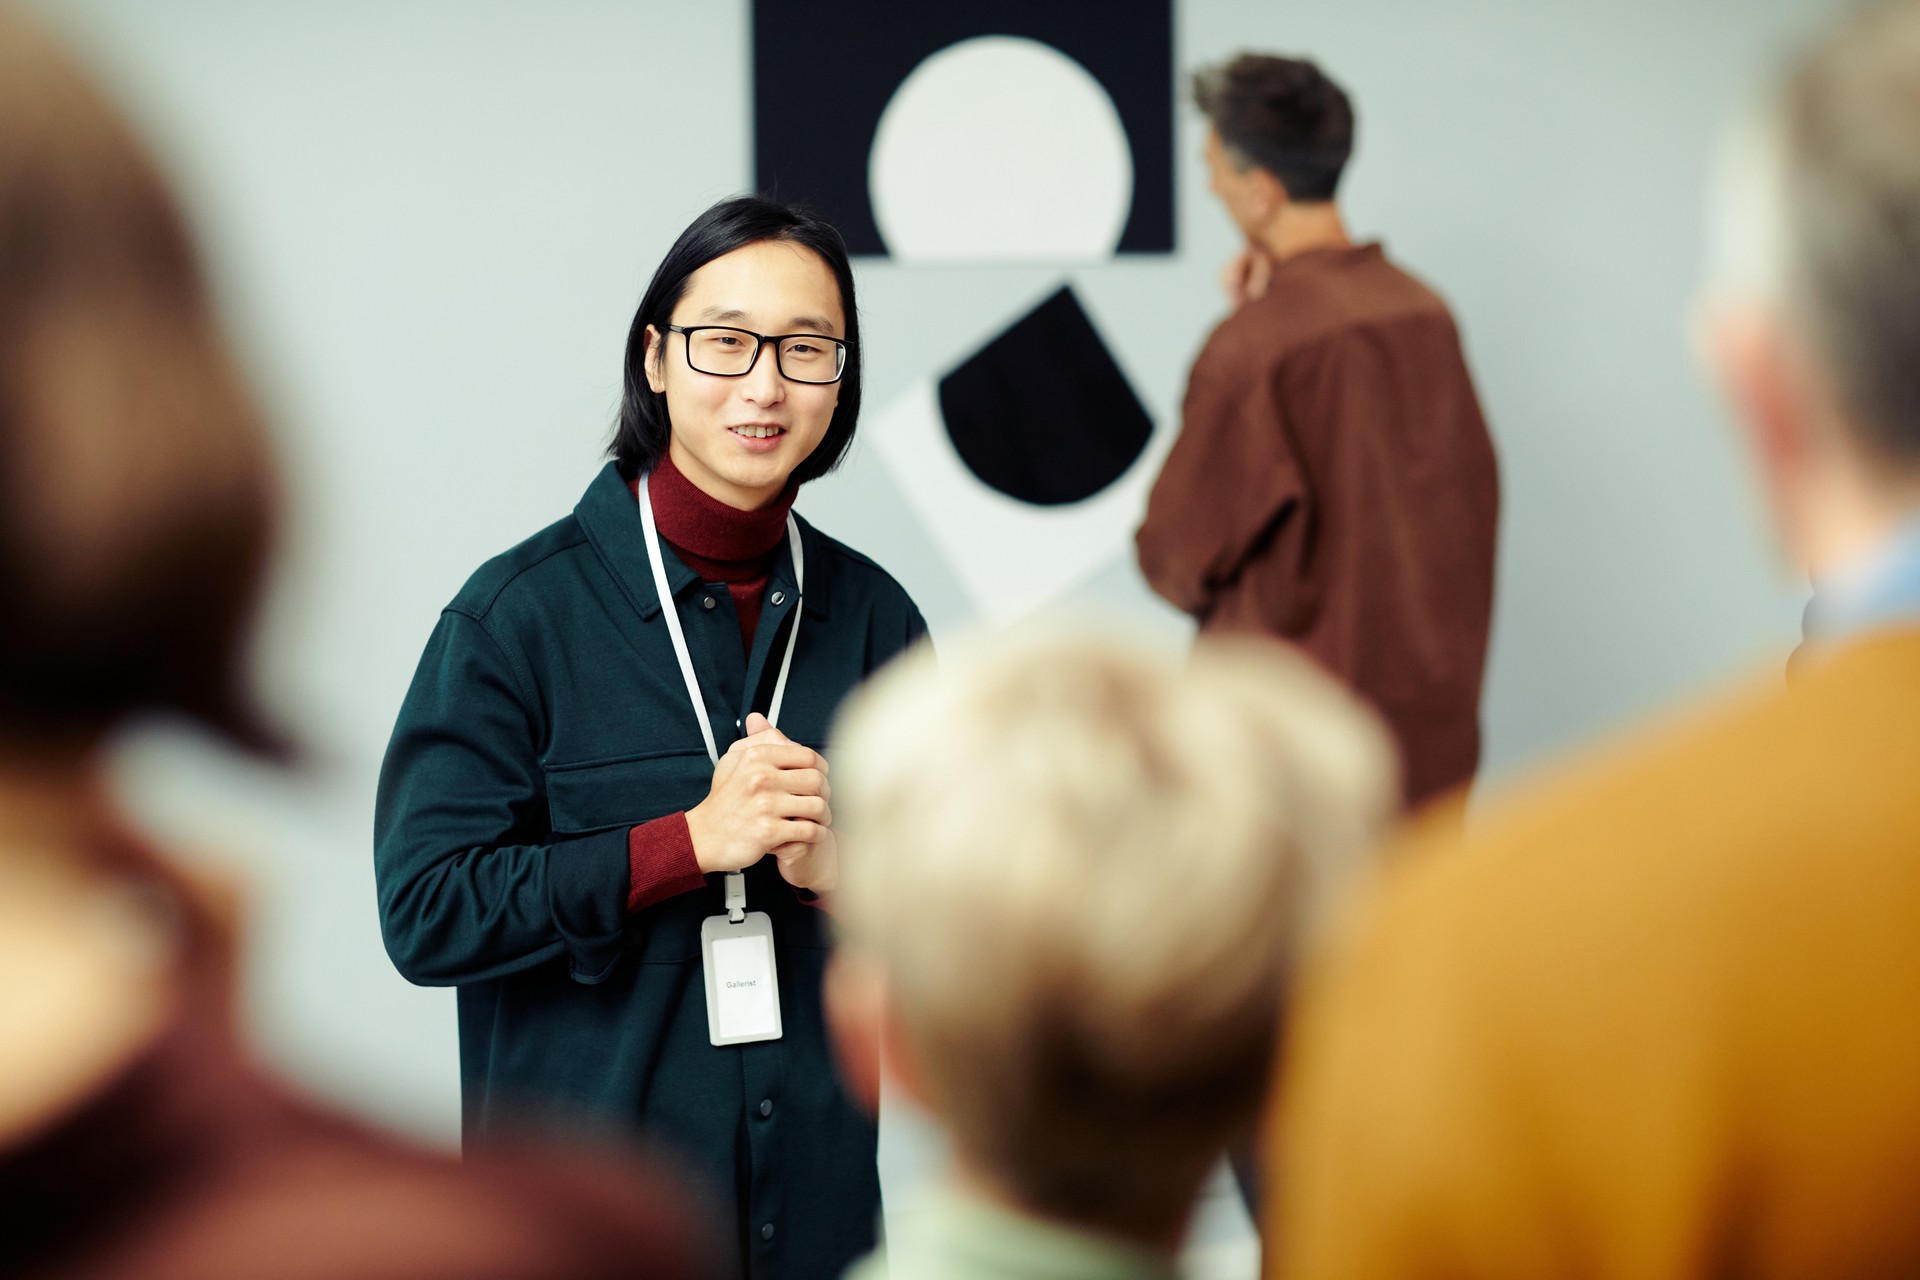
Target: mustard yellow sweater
1656,1016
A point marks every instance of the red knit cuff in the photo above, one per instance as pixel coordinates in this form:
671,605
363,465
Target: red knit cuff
660,862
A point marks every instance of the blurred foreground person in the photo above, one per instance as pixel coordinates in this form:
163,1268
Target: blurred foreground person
1658,1018
137,502
1075,876
1333,483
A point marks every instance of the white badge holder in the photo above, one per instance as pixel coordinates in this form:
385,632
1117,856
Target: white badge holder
743,984
736,949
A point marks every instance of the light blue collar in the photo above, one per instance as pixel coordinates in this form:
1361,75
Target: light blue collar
1881,588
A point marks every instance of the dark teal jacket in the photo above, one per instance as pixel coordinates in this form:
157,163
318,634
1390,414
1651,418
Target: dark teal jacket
547,717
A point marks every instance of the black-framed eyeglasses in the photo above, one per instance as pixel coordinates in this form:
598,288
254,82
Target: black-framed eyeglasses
732,353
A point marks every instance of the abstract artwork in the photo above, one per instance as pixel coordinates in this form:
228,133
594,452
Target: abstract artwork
907,124
993,134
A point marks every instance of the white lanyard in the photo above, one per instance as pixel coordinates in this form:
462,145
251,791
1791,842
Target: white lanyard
736,881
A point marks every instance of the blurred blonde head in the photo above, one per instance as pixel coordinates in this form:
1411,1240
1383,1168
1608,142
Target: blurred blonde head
1083,869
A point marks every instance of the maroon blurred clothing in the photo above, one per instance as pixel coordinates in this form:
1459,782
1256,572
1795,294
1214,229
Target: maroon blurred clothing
194,1165
1333,485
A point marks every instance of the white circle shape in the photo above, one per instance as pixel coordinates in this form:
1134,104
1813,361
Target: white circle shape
1000,149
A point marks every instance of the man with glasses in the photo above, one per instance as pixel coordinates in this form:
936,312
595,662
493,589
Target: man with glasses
1333,484
605,816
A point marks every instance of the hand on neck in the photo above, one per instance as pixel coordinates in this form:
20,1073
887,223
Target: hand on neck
1301,228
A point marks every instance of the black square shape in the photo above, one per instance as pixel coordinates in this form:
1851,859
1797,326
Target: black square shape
843,61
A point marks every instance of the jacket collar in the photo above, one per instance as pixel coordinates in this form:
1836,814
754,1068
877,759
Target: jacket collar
610,518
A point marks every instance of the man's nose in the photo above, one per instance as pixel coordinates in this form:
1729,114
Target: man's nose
763,383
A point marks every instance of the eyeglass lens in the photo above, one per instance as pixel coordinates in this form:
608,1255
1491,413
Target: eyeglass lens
730,353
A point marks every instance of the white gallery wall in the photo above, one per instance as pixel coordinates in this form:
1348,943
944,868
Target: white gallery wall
430,221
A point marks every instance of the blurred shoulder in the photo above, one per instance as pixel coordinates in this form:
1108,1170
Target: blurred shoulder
1682,818
315,1195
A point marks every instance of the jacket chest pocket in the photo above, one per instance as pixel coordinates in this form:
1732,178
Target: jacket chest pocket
598,794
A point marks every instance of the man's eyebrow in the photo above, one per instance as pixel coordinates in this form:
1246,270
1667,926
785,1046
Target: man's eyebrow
799,324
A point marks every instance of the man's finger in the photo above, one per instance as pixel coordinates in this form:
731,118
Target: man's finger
758,725
811,808
805,782
765,738
1259,275
770,738
788,755
1233,280
797,831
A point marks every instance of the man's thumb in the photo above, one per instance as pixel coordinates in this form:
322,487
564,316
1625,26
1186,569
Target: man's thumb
757,723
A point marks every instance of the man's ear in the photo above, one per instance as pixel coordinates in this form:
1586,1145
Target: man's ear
855,995
654,361
1764,373
1269,193
867,1039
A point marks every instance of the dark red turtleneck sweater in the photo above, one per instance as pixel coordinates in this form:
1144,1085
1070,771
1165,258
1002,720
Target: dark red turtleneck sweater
725,545
719,542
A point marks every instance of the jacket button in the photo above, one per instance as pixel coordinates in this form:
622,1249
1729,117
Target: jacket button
766,1232
777,598
766,1106
707,603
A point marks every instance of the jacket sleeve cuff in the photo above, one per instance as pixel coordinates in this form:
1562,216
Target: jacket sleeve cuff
660,862
586,891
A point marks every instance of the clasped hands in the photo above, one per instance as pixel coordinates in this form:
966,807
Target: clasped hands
769,796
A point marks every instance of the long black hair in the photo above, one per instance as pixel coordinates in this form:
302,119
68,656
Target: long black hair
640,437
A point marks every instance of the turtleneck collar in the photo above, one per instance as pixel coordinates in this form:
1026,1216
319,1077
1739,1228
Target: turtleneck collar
700,524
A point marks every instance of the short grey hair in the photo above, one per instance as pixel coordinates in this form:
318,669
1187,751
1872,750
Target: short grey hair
1846,126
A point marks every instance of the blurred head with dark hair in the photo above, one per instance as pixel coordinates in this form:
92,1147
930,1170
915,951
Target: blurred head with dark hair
1282,131
1814,311
137,496
746,268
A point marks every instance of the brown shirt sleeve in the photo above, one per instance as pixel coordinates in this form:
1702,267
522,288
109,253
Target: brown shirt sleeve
1229,481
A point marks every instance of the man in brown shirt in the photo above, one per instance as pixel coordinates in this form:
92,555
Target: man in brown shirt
1333,484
